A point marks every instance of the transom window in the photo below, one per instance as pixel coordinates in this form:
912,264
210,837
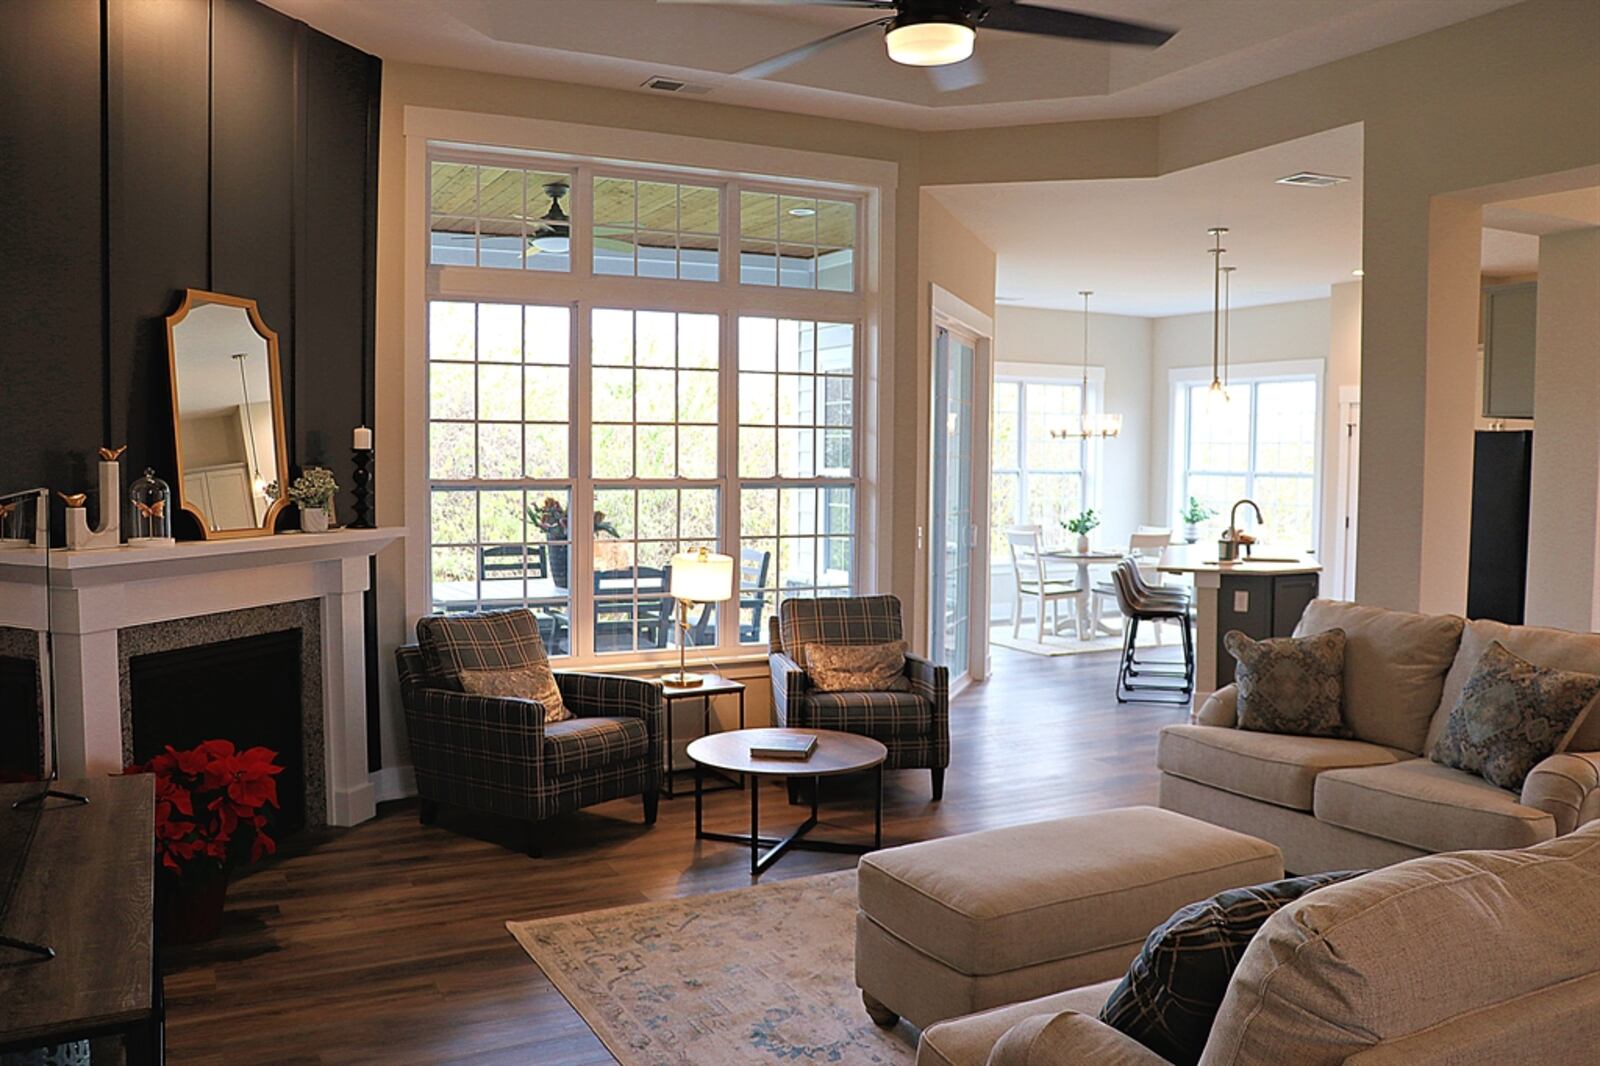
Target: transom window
1261,444
616,374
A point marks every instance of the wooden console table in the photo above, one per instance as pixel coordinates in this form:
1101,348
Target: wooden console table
87,890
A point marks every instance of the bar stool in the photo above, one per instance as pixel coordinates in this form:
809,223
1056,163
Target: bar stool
1135,676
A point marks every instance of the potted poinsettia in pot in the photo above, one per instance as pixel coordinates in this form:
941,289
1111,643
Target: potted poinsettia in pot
211,818
313,493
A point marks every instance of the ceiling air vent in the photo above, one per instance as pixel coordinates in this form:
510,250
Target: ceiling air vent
673,85
1310,179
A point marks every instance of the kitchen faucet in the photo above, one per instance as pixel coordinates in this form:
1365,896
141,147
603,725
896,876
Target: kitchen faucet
1228,546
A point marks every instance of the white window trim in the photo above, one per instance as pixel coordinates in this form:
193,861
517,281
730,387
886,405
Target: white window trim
1180,378
872,181
1093,468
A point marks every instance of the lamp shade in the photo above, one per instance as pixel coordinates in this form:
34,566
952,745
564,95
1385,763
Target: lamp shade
702,577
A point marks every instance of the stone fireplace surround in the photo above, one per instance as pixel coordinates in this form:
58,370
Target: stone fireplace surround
106,606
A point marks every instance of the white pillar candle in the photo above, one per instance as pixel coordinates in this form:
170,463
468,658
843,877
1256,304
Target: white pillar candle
361,439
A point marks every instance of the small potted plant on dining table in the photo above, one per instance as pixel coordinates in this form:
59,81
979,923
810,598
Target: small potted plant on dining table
1083,524
551,518
1192,516
211,818
313,493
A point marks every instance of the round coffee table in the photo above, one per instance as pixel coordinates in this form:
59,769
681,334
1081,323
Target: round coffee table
836,753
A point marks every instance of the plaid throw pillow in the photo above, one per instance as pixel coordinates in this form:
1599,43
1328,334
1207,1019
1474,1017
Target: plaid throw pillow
858,667
1511,715
1173,990
495,642
1290,684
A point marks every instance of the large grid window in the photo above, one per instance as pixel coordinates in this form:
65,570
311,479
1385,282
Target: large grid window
642,390
1035,478
1261,444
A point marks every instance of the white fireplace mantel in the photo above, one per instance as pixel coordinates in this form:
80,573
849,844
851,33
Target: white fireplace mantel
93,594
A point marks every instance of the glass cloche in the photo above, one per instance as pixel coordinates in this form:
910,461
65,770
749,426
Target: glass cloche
149,510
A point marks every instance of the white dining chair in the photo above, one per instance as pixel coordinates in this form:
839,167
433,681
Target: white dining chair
1034,581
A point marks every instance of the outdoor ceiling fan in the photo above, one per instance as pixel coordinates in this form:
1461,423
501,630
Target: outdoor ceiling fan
938,33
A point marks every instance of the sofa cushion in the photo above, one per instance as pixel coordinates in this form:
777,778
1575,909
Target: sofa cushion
1290,685
1002,899
536,682
880,715
1050,1040
1543,647
967,1041
1394,668
1511,715
1410,947
588,743
491,640
1171,994
858,667
1269,767
1428,806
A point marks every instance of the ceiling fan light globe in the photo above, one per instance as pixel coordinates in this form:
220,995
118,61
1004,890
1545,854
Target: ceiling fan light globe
930,44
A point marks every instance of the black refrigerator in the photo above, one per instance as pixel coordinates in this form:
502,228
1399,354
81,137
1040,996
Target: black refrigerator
1497,562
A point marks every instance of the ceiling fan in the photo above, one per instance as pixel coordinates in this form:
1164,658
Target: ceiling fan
937,33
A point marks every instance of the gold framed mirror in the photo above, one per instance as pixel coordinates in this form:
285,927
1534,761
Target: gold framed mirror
227,415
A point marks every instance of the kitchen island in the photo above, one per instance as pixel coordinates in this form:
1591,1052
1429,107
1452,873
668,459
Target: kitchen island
1262,597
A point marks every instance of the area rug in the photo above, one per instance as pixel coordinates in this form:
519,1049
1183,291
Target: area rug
757,975
1067,643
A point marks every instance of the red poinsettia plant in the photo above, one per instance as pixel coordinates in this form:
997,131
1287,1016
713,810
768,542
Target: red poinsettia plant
211,805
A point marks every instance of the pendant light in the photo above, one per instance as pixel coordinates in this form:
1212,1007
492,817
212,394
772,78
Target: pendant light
1088,425
1227,323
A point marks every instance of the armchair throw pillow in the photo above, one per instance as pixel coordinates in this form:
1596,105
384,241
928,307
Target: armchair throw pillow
1290,685
858,667
496,653
1511,715
1170,996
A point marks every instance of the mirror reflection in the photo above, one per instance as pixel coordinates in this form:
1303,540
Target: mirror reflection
227,408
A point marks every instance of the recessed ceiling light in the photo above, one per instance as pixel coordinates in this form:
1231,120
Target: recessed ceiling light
1310,179
1358,273
802,212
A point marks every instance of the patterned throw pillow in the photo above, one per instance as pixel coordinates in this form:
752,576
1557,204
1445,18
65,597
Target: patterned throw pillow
490,642
1173,990
528,683
1512,714
858,667
1290,684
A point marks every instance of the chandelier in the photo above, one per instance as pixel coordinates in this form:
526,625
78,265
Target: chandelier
1086,424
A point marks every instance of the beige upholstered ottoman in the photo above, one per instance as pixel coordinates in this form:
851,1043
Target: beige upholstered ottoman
948,927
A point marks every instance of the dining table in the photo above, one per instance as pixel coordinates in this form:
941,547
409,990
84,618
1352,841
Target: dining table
1085,596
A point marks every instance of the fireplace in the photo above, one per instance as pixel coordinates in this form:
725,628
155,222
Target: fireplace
21,752
247,690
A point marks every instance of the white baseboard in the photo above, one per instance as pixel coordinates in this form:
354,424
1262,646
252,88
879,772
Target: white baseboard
393,783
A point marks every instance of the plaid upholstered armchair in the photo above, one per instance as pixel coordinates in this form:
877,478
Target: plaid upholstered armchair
913,725
498,754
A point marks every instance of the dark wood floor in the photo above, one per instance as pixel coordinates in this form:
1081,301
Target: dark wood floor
387,943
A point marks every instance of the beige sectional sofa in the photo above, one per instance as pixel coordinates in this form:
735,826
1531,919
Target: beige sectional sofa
1333,804
1477,957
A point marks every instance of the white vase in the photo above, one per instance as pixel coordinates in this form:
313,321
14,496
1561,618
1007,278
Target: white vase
1083,544
313,519
1191,533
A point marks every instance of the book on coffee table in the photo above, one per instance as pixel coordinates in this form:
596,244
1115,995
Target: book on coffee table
793,747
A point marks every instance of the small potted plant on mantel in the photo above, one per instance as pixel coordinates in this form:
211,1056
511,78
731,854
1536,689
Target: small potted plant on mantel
1083,525
210,819
1192,516
313,493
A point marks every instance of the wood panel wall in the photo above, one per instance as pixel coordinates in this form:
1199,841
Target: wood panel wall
153,145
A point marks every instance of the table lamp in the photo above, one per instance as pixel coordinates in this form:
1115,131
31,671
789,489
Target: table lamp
697,577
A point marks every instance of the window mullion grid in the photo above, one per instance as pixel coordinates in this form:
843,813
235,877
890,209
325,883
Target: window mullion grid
580,468
730,501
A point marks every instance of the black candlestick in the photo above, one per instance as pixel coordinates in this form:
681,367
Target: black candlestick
359,488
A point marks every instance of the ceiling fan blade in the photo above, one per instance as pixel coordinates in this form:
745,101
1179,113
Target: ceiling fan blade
957,76
1054,22
863,4
768,67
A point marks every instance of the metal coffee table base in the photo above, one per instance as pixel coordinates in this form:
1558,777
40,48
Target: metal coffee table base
776,847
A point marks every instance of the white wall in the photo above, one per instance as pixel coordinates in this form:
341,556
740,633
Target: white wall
1344,369
1275,333
1121,344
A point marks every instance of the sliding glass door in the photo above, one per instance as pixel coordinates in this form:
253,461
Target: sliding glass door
954,533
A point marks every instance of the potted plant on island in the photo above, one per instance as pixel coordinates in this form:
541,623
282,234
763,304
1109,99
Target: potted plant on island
1083,525
313,493
210,819
551,518
1192,516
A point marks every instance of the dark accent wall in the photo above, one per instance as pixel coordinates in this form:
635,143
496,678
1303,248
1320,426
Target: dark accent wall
149,146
